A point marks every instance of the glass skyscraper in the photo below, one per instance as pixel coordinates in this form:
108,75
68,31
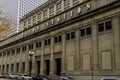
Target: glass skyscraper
13,10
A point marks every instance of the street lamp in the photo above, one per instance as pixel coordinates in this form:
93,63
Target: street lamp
30,54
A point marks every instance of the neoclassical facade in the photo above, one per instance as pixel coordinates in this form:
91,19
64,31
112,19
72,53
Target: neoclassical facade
79,38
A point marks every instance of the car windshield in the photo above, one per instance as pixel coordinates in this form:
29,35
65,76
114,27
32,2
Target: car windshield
25,75
19,75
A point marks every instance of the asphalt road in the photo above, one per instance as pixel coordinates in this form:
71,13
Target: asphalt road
6,79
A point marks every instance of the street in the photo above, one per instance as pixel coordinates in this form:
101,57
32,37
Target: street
6,79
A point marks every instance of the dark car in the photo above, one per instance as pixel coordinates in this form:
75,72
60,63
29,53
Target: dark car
1,75
40,77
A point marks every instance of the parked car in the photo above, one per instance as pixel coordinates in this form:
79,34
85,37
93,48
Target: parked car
40,77
1,75
110,78
23,77
65,78
10,76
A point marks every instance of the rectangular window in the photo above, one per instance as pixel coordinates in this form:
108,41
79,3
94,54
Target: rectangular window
13,51
45,13
72,35
108,25
66,4
34,19
58,38
24,48
59,7
104,26
88,30
52,11
38,44
18,50
39,16
29,21
82,31
31,46
25,23
8,53
101,27
68,36
55,39
47,41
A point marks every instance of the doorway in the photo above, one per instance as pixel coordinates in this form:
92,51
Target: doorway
47,62
38,67
58,66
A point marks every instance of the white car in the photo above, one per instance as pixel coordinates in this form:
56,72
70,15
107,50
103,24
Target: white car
10,76
110,78
23,77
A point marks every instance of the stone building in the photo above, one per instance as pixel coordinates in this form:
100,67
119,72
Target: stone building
79,38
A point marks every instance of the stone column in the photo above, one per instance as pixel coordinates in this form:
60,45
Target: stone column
48,13
62,6
116,35
20,61
77,48
52,56
94,63
1,63
15,61
71,3
33,61
55,10
27,61
10,63
37,19
42,58
63,70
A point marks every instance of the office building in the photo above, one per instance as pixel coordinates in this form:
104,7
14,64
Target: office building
13,10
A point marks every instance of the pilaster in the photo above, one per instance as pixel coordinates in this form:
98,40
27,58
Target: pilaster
33,61
77,55
94,55
42,58
116,34
63,70
27,61
51,56
15,62
62,5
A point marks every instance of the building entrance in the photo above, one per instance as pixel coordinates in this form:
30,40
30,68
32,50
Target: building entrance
47,62
58,66
38,67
